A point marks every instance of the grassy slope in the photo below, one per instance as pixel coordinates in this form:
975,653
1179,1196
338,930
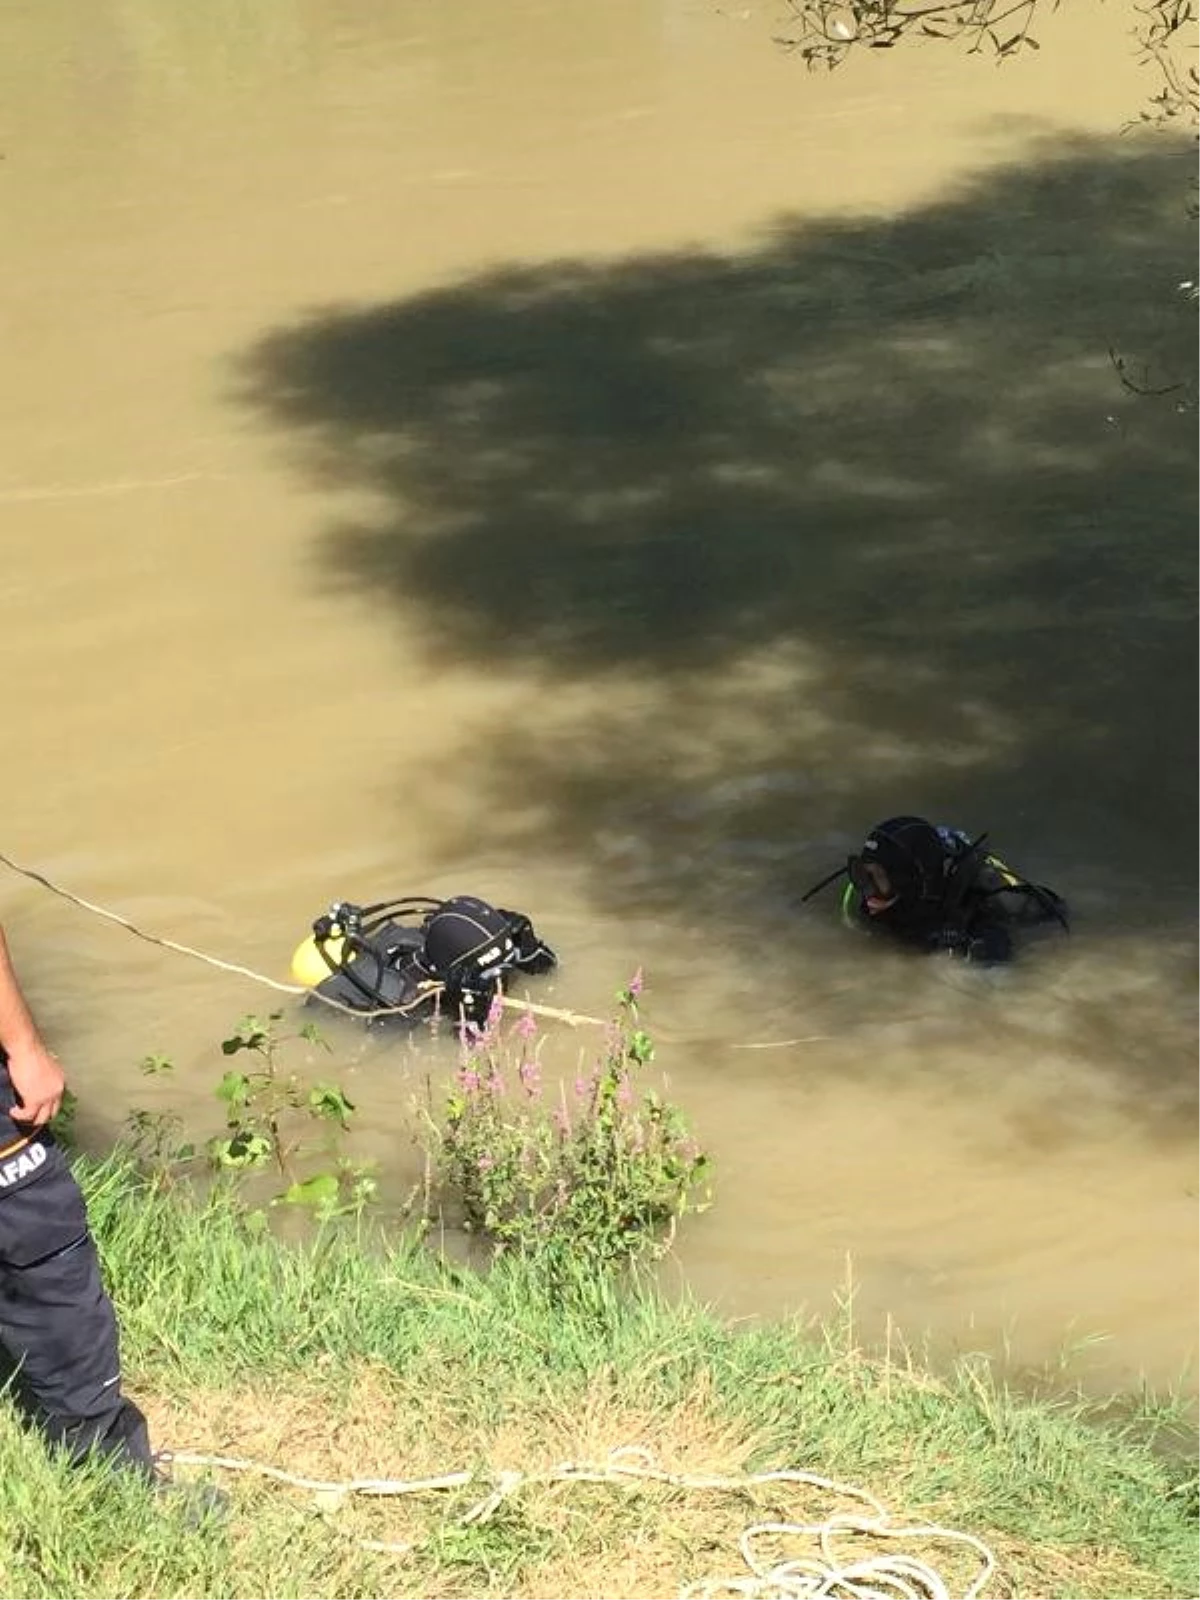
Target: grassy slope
339,1364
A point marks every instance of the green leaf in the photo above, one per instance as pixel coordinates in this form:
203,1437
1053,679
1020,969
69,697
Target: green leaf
234,1088
641,1047
328,1100
242,1150
155,1064
319,1191
230,1047
252,1034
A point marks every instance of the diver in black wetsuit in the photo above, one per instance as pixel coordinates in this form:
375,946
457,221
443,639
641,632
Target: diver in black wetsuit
934,888
452,960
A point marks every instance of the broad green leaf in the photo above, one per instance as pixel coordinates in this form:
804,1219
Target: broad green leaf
317,1191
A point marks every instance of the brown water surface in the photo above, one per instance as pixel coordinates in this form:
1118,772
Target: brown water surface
569,453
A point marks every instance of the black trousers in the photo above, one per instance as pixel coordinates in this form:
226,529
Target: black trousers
57,1324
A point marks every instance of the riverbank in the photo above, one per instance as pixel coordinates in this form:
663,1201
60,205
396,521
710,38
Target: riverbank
338,1362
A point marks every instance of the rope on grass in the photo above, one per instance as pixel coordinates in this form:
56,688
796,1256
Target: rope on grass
319,1486
822,1576
572,1018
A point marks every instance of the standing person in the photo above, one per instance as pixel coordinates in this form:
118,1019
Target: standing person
56,1321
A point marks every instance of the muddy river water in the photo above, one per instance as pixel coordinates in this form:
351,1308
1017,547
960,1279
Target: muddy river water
566,452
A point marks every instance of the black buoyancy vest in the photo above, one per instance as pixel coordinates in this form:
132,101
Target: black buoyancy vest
384,965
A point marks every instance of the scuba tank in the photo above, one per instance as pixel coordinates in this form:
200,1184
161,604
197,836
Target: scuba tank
364,957
452,958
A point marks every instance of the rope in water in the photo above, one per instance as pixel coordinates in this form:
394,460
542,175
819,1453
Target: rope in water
573,1019
899,1576
557,1014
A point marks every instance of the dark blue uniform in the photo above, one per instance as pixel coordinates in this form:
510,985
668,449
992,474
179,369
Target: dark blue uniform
57,1324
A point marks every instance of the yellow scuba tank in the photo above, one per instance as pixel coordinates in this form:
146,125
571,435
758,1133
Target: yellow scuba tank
309,966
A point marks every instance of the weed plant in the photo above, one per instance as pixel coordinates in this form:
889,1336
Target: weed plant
584,1179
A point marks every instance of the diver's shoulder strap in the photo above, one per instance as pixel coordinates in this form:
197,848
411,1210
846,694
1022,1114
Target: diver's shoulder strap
1052,906
993,877
964,866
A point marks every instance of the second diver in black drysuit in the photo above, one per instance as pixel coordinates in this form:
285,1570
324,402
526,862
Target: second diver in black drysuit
416,958
932,887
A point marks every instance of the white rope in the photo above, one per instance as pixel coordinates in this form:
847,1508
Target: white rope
427,990
322,1486
573,1019
821,1576
881,1577
784,1044
151,938
78,491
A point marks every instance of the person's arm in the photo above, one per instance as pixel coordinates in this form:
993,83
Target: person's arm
35,1073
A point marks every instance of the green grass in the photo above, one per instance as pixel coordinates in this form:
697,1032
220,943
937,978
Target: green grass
340,1360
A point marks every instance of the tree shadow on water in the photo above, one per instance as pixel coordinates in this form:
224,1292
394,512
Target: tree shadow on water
854,521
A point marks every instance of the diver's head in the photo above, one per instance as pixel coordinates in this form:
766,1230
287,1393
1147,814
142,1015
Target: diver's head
900,866
466,939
